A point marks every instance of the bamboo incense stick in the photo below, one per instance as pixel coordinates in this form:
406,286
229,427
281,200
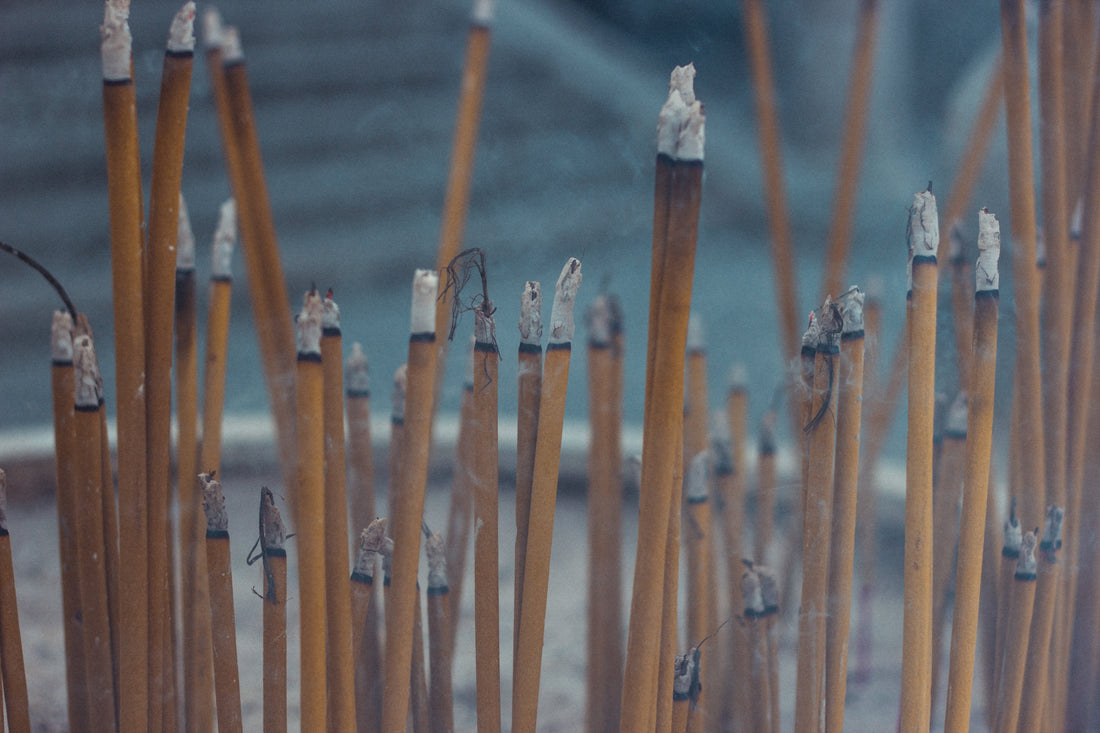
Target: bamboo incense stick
964,627
418,698
88,484
362,578
817,512
697,531
843,520
732,487
962,303
682,680
529,379
310,493
11,643
670,611
1038,651
441,695
460,513
1025,276
267,284
604,635
359,448
1017,624
407,506
217,337
759,674
767,486
110,536
213,36
397,430
769,590
527,668
338,648
916,688
1010,555
220,578
61,379
124,196
272,542
677,191
484,481
855,126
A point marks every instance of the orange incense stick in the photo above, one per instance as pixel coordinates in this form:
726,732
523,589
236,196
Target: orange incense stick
441,695
11,643
460,512
272,545
1017,624
217,337
360,452
529,380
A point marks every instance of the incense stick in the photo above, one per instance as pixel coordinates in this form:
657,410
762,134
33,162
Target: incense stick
759,674
439,637
697,531
460,513
217,337
360,450
1038,649
11,643
1022,603
529,378
272,542
527,668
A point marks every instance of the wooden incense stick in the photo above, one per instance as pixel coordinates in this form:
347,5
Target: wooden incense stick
217,337
362,578
1010,555
124,197
310,495
604,629
220,578
272,545
683,678
441,694
359,447
11,642
845,484
769,590
61,379
759,674
267,284
197,649
851,155
1032,705
675,225
1017,625
529,384
923,235
817,516
729,491
407,506
767,485
484,481
962,302
338,648
109,511
968,576
460,512
418,698
697,528
527,667
88,485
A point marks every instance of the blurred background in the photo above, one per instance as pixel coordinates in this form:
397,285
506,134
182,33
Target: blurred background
355,105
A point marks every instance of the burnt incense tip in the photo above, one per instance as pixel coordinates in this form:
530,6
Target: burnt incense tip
986,272
1052,531
812,333
598,317
852,305
769,588
212,30
924,227
485,328
225,239
483,12
185,239
830,319
61,337
232,53
437,560
683,676
355,369
181,34
87,380
116,41
309,324
956,242
1013,537
565,296
955,422
530,314
274,537
1026,566
425,289
681,124
213,504
370,545
696,488
696,335
400,387
330,313
3,500
751,592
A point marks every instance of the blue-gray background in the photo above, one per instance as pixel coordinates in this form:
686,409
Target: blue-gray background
355,105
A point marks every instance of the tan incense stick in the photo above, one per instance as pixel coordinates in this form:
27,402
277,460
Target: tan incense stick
220,578
1017,624
439,641
272,542
11,641
529,378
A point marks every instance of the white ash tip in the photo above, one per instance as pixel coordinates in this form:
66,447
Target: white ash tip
185,239
955,424
425,289
852,303
225,239
1052,529
682,80
830,319
769,587
751,592
212,30
61,337
598,317
738,380
213,503
565,296
356,369
309,324
924,226
956,242
116,41
530,314
181,35
987,271
697,484
400,387
370,546
485,328
88,382
696,335
681,124
812,333
1026,566
437,560
330,313
683,675
272,520
232,53
468,375
483,12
